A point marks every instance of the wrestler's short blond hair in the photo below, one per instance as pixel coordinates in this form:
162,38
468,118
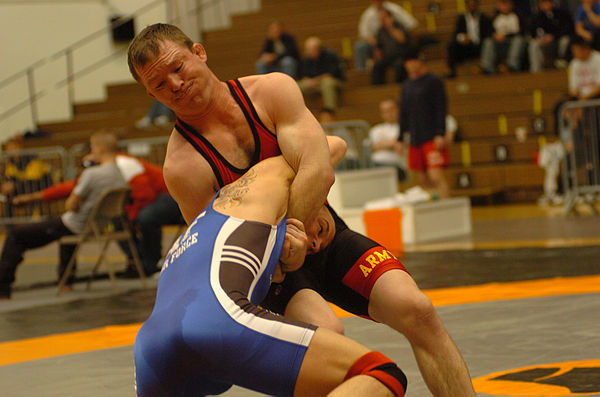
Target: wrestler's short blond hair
146,45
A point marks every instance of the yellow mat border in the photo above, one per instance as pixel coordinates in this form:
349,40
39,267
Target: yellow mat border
124,335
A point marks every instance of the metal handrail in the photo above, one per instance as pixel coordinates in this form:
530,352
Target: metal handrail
34,96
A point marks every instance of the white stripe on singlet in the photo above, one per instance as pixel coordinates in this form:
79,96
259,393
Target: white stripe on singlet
276,329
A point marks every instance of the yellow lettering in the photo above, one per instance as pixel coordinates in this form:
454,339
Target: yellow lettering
365,270
372,261
383,255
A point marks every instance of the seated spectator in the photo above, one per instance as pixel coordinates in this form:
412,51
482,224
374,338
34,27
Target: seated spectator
506,41
584,71
587,22
369,24
351,159
150,207
158,115
471,29
320,72
279,52
23,173
93,182
384,137
551,32
390,49
584,77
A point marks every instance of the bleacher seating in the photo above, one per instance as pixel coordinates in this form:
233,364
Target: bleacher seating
488,108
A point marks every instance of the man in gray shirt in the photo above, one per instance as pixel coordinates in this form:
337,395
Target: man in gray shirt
92,183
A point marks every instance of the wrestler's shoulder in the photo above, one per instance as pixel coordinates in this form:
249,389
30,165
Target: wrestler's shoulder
265,81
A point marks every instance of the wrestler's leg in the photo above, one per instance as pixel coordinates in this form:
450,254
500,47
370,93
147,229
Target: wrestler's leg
308,306
397,301
331,358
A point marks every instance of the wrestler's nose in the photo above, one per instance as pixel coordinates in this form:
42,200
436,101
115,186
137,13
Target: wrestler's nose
175,82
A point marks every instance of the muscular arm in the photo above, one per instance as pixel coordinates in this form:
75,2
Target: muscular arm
191,190
302,143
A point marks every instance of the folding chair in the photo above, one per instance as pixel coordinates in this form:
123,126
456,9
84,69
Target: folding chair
109,210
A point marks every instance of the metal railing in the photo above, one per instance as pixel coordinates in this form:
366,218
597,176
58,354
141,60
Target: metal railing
33,170
29,171
580,130
33,94
356,135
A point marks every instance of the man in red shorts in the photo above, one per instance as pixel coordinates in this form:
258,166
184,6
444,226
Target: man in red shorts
223,129
423,117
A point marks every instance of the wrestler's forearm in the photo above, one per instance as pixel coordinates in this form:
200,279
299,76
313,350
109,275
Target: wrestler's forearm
337,150
308,193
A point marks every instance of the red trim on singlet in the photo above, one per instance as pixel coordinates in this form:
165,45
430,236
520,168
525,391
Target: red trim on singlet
265,141
368,268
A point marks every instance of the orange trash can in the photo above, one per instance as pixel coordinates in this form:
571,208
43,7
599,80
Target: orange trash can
385,227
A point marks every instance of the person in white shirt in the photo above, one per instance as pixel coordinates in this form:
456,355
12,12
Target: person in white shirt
584,71
384,137
506,40
370,23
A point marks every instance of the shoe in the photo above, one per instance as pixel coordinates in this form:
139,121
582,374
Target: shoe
561,64
143,123
162,121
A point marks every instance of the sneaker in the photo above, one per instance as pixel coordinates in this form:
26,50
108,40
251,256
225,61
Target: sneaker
162,121
143,123
561,64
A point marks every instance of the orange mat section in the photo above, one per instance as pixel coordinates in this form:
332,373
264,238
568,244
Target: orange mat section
124,335
512,290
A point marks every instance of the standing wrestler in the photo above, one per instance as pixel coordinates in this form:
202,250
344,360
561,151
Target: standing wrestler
223,128
423,117
206,332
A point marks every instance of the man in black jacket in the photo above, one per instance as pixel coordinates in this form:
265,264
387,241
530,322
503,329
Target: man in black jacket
279,52
320,72
471,28
551,32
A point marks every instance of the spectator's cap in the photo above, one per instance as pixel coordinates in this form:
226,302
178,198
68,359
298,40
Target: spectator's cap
580,41
414,52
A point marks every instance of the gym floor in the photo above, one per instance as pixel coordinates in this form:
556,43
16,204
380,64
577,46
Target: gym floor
520,297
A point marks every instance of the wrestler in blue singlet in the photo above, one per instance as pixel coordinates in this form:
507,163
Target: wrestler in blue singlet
206,332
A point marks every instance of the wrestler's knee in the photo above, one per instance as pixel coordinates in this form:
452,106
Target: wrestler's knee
405,307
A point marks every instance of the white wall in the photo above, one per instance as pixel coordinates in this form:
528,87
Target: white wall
36,31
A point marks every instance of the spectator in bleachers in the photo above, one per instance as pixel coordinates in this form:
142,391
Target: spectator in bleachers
351,159
21,173
584,78
279,52
93,182
587,22
384,136
158,115
584,71
321,72
471,29
369,24
506,40
551,32
391,45
423,118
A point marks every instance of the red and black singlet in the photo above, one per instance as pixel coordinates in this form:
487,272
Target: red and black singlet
265,141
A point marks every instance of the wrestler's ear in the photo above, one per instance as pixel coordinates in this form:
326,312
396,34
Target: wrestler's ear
198,50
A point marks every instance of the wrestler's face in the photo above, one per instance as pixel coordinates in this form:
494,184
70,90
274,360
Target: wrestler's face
320,231
177,77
